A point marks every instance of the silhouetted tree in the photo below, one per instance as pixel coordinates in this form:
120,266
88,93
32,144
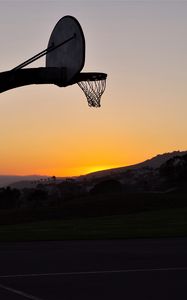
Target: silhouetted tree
175,170
54,178
69,189
9,198
37,198
107,186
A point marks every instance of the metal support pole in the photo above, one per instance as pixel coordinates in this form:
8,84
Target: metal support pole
42,53
21,77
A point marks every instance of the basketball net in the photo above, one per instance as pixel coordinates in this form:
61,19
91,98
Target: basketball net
93,90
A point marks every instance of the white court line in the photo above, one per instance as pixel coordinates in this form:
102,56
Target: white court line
18,292
93,272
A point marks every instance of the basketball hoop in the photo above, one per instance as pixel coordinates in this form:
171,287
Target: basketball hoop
93,86
65,57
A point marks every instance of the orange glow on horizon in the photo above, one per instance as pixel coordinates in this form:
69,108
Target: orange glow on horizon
92,169
71,172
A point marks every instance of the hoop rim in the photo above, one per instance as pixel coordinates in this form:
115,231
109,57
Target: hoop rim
88,76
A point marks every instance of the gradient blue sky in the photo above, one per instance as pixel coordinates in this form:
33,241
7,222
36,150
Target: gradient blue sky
142,45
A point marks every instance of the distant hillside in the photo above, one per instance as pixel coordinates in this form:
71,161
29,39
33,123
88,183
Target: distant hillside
34,183
154,163
30,181
6,180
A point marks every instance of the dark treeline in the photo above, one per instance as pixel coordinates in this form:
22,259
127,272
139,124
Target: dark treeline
127,192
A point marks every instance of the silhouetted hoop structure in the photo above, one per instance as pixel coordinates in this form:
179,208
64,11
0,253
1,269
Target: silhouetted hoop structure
65,57
93,86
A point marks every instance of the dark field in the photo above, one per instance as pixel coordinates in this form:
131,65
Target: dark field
162,223
114,216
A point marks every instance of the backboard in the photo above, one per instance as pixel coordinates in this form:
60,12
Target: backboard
71,55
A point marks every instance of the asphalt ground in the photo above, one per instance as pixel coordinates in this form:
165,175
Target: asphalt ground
110,269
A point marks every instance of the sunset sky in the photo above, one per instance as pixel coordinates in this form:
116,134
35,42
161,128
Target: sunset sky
141,45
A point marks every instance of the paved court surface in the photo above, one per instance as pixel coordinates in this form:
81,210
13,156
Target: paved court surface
118,269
